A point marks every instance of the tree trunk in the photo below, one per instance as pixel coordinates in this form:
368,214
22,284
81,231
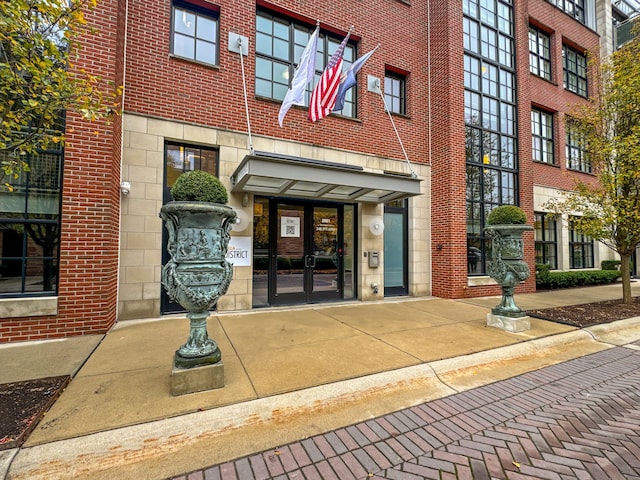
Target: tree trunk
626,278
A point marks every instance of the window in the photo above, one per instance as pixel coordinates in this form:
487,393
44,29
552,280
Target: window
574,8
490,119
181,158
395,93
539,53
580,248
542,136
577,157
574,66
195,34
279,45
30,228
546,240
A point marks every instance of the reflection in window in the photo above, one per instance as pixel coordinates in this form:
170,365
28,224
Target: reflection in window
195,35
580,248
260,252
577,156
30,228
542,136
546,240
574,71
490,118
184,158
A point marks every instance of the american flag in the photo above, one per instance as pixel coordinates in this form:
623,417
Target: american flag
323,97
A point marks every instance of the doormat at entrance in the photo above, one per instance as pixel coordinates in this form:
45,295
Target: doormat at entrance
22,406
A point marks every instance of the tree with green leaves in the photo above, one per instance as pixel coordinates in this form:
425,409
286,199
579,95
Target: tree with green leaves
608,208
39,41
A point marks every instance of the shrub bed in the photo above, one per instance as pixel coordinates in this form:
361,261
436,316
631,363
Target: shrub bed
548,280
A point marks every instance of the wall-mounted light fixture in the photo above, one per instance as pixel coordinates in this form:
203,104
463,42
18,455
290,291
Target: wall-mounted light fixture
376,226
242,221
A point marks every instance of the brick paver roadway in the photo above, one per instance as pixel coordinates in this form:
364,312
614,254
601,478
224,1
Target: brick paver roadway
575,420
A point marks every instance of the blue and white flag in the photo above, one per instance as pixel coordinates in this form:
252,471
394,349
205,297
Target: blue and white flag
304,73
349,79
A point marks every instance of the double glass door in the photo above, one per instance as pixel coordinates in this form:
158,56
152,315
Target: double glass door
303,260
307,258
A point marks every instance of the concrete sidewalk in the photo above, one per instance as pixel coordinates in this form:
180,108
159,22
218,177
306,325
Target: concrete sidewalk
289,373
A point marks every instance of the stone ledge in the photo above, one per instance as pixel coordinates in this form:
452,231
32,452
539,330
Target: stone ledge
28,307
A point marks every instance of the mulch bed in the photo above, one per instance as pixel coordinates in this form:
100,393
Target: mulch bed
22,406
589,314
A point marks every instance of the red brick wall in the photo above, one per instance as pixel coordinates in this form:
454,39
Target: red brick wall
448,185
551,96
448,162
449,250
176,89
90,208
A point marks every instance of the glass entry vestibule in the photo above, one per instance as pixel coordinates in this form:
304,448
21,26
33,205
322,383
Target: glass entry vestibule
303,252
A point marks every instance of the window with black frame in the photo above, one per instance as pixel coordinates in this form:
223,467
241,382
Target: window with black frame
539,53
574,66
580,248
546,240
573,8
395,93
30,227
279,45
576,150
490,118
194,33
542,136
182,158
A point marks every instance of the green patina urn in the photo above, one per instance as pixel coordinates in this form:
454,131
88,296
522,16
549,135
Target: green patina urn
197,274
507,265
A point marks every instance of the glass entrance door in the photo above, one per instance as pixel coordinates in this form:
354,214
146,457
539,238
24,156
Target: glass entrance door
307,254
395,249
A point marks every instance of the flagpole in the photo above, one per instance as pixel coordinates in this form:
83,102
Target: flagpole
246,102
406,157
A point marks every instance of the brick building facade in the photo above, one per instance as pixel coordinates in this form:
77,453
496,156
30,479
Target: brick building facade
184,108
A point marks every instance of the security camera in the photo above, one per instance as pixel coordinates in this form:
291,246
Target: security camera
125,188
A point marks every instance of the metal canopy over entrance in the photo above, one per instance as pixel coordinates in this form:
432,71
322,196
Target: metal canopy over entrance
272,174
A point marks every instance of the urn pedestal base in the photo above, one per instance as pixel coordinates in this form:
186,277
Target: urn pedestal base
197,379
509,324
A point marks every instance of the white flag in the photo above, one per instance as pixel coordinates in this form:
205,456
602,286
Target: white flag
304,73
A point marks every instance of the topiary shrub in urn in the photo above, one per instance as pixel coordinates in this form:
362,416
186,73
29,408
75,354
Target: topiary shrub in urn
505,226
199,224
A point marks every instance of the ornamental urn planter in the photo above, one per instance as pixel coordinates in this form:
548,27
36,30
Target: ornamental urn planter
507,266
197,274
